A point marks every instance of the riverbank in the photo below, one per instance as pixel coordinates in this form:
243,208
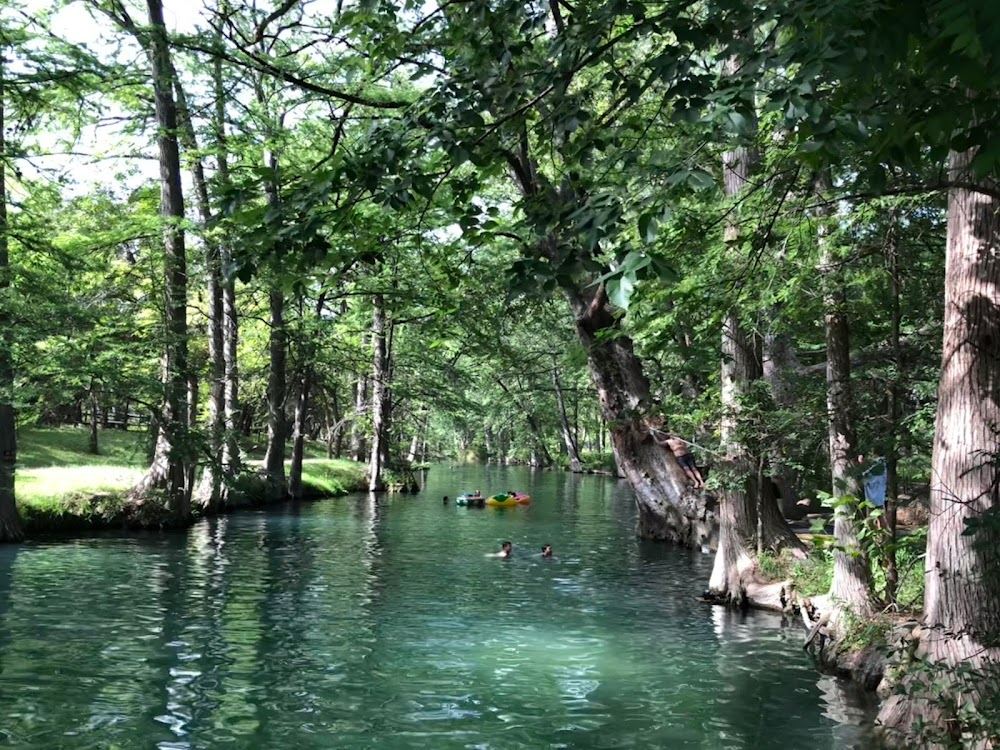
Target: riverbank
859,651
63,489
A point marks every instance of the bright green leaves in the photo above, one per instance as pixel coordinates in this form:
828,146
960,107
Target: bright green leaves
620,290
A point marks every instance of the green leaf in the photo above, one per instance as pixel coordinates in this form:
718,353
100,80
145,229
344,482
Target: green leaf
648,227
620,290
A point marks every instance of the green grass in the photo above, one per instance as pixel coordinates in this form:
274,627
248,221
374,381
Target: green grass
811,576
332,476
67,446
58,481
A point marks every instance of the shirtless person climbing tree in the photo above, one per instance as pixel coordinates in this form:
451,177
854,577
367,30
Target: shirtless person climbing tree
680,450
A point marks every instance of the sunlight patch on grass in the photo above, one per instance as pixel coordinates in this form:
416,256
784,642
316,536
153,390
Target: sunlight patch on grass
333,476
53,485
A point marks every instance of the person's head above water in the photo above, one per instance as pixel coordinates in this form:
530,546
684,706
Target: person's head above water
507,547
547,550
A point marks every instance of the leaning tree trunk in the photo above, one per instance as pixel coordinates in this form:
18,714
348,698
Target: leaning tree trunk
168,471
746,511
952,690
851,587
10,521
379,375
667,509
575,465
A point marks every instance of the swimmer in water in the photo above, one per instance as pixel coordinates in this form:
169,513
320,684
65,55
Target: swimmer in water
547,550
506,549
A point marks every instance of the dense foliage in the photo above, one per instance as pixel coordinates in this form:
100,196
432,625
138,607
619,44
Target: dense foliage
420,230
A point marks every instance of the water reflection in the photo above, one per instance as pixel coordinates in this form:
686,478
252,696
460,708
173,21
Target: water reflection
370,621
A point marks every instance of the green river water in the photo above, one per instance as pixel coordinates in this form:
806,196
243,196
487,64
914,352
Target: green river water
355,623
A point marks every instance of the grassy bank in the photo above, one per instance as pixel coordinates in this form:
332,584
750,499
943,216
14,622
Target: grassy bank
63,488
812,577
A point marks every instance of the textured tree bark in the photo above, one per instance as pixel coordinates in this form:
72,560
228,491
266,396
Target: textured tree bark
385,442
778,360
575,465
411,454
231,459
960,642
379,375
895,416
10,521
274,459
93,446
168,470
208,494
299,432
358,444
334,424
739,519
277,387
668,510
851,587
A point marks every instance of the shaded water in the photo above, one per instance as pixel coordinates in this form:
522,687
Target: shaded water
354,624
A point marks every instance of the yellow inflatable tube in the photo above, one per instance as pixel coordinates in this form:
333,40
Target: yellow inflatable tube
508,501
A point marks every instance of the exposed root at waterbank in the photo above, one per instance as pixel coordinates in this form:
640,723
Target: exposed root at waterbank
772,596
835,646
834,643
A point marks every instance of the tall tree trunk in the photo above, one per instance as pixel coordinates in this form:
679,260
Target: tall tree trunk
93,446
359,451
575,465
209,489
960,643
778,360
743,515
334,424
379,375
385,442
411,455
168,471
231,459
274,459
894,417
277,428
668,511
299,433
851,587
300,425
10,521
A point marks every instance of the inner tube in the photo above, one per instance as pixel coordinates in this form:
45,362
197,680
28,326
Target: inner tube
502,501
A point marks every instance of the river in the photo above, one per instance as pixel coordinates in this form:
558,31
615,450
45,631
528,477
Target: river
354,623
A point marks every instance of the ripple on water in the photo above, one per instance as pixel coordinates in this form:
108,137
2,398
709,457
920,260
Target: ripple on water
357,625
